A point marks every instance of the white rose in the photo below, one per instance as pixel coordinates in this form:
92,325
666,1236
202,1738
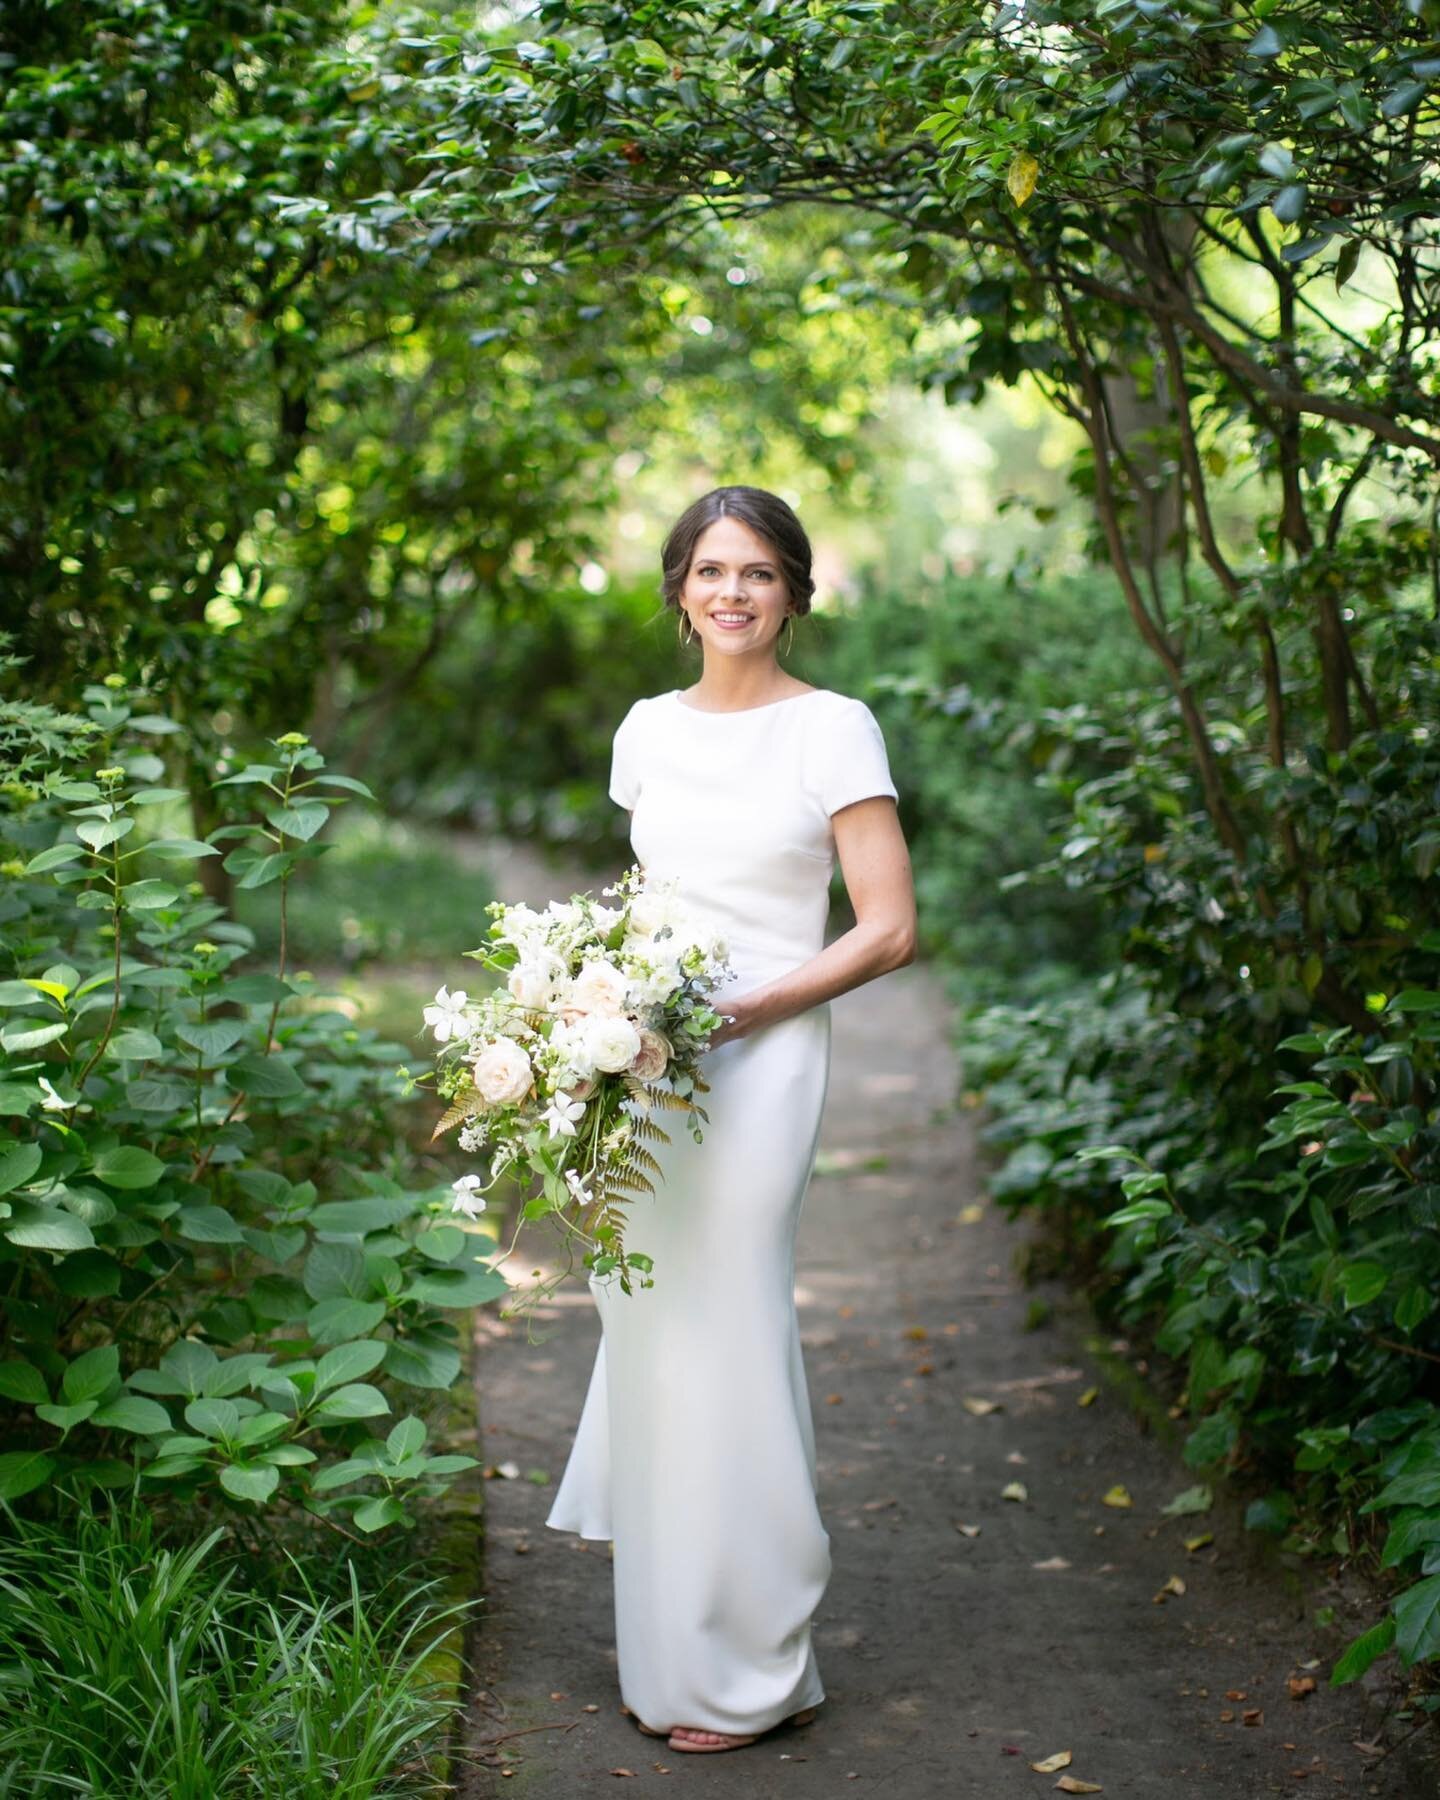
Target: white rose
612,1042
650,912
502,1073
599,988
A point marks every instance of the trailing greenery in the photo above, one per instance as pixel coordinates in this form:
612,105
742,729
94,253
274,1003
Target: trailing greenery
133,1665
217,1273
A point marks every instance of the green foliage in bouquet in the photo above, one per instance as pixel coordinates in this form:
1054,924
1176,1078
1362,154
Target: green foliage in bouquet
215,1283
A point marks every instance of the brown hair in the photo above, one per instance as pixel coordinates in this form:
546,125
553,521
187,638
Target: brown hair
768,517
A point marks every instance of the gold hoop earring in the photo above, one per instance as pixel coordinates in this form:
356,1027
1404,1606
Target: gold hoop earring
683,623
789,642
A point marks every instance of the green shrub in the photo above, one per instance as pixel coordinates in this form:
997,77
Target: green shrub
216,1278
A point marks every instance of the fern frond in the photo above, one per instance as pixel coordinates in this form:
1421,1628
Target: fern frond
453,1115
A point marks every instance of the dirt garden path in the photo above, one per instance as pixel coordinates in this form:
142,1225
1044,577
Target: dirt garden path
953,1660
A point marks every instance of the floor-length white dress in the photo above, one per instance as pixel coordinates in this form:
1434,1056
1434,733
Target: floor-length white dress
695,1450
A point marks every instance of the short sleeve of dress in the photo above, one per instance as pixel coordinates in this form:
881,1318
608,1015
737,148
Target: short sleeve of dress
853,763
625,760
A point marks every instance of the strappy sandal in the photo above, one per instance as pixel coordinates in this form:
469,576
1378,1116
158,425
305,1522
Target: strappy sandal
803,1717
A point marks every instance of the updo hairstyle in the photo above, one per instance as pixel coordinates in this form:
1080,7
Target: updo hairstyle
768,517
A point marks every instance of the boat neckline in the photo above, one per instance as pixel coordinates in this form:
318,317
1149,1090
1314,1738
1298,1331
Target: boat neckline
734,712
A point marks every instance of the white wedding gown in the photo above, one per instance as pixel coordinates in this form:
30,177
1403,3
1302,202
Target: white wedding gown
695,1451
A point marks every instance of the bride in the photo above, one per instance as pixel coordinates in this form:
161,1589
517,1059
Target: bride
695,1452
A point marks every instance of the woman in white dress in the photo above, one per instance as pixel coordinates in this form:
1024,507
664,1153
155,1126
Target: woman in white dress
695,1451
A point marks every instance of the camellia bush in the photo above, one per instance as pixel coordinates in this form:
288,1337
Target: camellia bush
217,1280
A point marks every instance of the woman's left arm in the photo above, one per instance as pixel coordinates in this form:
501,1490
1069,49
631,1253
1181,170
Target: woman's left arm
875,862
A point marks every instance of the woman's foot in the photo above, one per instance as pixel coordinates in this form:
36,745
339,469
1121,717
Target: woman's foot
694,1737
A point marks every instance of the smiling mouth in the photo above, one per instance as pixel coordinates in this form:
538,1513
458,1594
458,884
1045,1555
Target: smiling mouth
733,621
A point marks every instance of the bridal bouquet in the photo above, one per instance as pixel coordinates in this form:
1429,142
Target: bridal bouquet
602,1021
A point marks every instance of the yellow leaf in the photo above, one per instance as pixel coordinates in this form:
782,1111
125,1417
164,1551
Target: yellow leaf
967,1530
1014,1490
1068,1784
1199,1543
1052,1764
973,1403
1119,1495
1021,179
971,1215
1089,1397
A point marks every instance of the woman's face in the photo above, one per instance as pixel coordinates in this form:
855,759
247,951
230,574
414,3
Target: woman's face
734,592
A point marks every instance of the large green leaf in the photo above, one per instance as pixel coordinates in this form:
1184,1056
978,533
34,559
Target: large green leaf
90,1375
45,1228
357,1401
347,1362
21,1471
458,1287
336,1321
128,1166
250,1481
18,1164
133,1413
1417,1621
22,1381
266,1077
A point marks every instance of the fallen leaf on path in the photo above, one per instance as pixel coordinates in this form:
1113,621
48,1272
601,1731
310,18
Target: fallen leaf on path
541,1477
833,1399
918,1333
1237,1693
1067,1784
1226,1717
974,1404
1191,1500
559,1696
925,1368
1051,1562
847,1312
1175,1585
1052,1764
1119,1495
1017,1456
1199,1543
591,1708
968,1530
506,1471
876,1505
1088,1398
1253,1715
629,1772
1014,1490
1300,1686
971,1215
522,1549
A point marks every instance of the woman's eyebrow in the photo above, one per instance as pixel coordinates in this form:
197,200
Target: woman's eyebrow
753,562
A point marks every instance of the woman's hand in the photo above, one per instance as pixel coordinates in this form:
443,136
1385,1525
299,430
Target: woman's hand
733,1010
